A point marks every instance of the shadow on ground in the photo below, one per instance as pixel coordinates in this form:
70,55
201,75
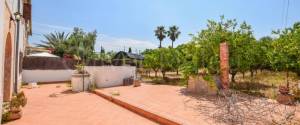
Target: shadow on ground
241,108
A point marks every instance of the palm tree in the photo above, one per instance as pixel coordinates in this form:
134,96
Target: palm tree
82,40
55,41
160,33
173,33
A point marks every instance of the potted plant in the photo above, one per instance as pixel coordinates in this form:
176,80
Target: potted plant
80,79
13,109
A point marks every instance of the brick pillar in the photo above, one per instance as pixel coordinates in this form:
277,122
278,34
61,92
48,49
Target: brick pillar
224,65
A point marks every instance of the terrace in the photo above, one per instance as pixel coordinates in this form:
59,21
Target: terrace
56,104
223,74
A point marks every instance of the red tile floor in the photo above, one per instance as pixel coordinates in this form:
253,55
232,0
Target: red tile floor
54,104
172,102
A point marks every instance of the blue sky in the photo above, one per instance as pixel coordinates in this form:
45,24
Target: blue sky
131,23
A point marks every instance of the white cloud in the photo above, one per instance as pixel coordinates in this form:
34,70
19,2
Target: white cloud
118,44
42,28
108,42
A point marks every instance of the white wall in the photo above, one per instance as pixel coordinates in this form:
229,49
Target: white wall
102,76
2,42
108,76
12,5
46,75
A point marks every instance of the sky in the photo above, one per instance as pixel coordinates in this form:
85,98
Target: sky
131,23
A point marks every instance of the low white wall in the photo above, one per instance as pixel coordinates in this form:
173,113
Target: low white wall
108,76
46,75
102,76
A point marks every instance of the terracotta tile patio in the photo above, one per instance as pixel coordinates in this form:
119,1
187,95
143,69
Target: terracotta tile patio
53,104
171,102
167,101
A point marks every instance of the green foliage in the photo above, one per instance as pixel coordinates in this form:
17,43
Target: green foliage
285,52
19,100
56,41
79,43
5,112
188,69
166,63
160,33
243,47
163,59
152,60
173,33
246,54
80,68
129,50
92,87
102,50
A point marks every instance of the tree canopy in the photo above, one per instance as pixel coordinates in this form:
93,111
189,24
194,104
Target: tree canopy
78,43
247,54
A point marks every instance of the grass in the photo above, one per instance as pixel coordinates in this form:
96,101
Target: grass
264,84
171,79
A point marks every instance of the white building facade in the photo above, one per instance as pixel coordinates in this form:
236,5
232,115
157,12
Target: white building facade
15,28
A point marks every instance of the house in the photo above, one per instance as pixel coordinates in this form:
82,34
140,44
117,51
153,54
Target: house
127,58
15,28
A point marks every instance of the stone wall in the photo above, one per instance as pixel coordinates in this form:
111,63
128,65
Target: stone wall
196,84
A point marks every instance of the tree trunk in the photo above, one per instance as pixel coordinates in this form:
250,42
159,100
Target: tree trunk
172,43
243,75
155,73
163,74
148,73
252,74
232,77
298,73
287,79
177,72
159,44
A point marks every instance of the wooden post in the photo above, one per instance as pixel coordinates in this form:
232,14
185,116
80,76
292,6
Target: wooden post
224,65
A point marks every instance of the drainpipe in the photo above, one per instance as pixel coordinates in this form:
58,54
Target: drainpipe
17,17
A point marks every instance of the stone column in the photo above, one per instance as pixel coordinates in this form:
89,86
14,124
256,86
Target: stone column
224,65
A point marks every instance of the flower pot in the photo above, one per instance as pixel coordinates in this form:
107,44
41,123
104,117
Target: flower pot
14,115
286,99
136,83
15,110
80,82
